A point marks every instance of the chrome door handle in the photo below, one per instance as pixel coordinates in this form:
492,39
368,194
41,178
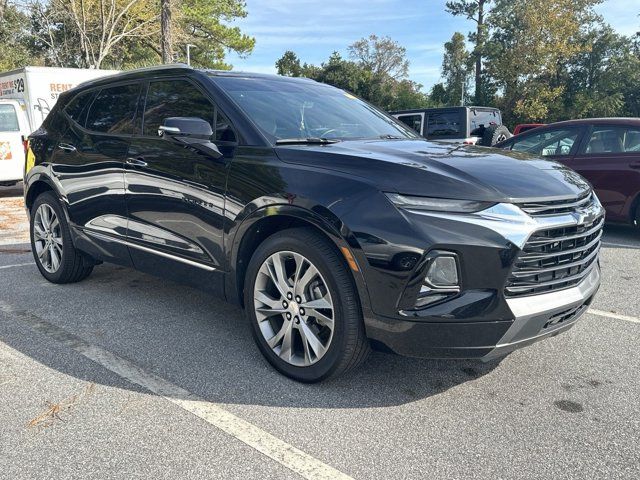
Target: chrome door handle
67,147
136,162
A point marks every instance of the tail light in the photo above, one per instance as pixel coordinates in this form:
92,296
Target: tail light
25,144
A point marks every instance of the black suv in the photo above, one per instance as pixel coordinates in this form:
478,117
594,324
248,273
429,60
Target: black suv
334,225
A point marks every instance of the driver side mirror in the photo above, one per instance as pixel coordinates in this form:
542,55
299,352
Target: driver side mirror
192,132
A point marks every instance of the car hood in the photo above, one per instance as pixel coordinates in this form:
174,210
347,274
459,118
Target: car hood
419,167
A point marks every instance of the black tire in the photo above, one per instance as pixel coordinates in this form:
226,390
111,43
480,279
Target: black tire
349,345
495,134
74,265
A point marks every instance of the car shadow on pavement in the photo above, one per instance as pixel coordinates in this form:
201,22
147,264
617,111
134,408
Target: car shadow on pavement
201,344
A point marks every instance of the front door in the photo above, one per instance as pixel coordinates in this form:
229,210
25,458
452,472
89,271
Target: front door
174,194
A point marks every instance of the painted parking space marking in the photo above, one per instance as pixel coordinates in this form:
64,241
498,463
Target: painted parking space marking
285,454
620,245
16,265
602,313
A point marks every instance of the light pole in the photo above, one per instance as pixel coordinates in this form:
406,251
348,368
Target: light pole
189,53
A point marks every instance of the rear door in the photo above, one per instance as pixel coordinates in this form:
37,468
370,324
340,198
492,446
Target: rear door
89,164
13,131
175,195
609,157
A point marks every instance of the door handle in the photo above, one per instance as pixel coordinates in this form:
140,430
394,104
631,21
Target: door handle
136,162
67,147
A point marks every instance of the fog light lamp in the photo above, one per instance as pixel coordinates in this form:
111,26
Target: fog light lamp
443,272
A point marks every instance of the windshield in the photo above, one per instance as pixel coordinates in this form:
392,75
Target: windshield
305,109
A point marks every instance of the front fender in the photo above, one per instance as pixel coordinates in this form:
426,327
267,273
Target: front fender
248,223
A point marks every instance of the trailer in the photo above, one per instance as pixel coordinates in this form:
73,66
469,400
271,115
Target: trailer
27,95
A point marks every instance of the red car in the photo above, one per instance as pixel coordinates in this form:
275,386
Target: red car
606,151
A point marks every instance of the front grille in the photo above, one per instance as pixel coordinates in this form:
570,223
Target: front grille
555,258
537,209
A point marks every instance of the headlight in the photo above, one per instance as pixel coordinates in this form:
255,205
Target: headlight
437,204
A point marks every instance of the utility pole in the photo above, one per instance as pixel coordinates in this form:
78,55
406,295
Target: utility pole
189,53
165,31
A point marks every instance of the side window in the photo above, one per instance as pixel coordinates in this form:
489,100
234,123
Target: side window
78,106
550,142
613,139
445,124
413,121
113,110
174,98
223,131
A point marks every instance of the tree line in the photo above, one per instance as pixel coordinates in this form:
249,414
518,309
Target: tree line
536,60
120,34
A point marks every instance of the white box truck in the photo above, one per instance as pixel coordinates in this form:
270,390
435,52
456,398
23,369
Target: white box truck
26,97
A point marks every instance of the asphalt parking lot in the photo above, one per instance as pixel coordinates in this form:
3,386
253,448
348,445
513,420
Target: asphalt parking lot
125,375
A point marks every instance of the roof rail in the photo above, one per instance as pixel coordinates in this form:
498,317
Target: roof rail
166,66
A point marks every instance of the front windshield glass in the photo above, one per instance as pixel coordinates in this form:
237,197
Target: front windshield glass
285,109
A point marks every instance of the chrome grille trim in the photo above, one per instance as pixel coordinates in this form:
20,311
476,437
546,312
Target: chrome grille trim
557,206
558,257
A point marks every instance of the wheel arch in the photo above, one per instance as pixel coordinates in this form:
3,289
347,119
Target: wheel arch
266,221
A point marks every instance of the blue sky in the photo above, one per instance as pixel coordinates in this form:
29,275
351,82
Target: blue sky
315,28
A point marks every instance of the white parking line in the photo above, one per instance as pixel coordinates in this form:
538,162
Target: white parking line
17,265
621,245
626,318
287,455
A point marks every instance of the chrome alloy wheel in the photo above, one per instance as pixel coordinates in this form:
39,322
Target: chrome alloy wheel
294,308
47,238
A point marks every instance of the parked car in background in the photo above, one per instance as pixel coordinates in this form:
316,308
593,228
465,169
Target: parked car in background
14,129
468,125
524,127
606,151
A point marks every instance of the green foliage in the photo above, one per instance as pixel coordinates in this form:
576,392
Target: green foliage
15,37
456,69
120,33
204,23
376,72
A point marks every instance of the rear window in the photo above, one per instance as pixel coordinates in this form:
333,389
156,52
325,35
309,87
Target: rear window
8,119
481,119
444,125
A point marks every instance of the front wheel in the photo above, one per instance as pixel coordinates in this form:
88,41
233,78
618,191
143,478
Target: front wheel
303,307
56,257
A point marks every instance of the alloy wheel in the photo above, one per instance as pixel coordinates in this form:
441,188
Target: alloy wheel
47,238
294,309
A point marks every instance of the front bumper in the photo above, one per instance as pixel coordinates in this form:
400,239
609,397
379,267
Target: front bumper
533,318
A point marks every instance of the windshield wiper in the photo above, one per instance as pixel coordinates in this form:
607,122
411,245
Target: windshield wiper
391,137
308,140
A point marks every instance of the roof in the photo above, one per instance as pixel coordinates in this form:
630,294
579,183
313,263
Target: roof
435,109
600,121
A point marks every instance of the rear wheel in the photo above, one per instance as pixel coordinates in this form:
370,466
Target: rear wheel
56,257
303,307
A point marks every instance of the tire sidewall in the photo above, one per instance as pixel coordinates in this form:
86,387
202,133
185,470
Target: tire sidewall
67,248
324,367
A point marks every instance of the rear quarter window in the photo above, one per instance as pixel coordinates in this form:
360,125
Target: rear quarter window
79,105
9,119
